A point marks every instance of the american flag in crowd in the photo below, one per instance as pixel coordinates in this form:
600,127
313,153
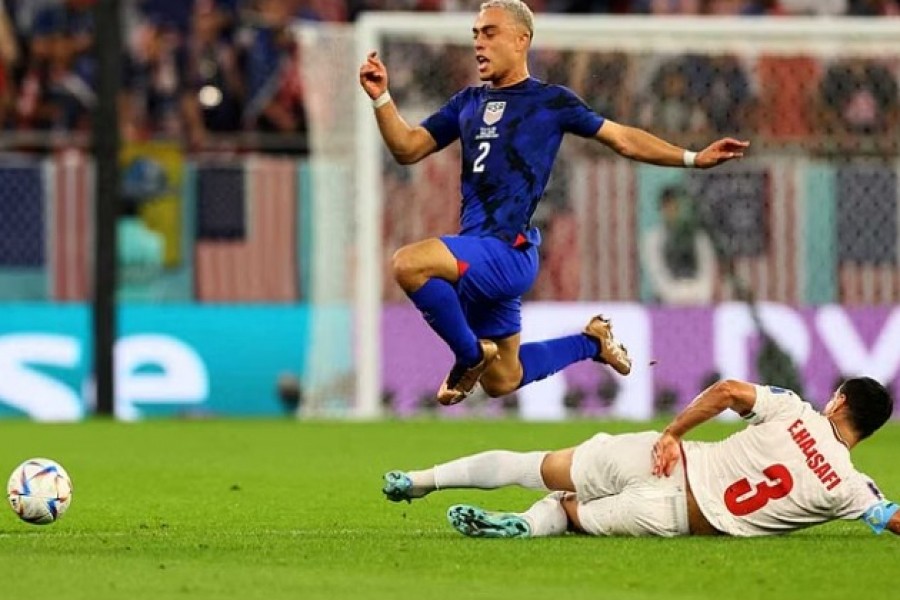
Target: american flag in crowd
246,249
246,220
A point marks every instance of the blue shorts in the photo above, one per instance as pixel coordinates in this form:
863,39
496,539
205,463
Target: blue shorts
493,277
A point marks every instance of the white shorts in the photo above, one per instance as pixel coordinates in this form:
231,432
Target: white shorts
618,495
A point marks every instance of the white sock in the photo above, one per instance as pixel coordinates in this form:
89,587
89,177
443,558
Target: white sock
487,471
423,482
547,516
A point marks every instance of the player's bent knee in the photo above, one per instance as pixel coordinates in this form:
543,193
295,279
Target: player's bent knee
400,263
405,267
556,470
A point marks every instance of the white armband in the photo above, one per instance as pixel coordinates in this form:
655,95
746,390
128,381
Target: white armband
689,158
381,100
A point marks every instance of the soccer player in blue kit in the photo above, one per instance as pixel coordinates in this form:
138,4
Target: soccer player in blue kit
469,286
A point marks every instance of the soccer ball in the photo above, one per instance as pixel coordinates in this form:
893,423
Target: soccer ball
39,490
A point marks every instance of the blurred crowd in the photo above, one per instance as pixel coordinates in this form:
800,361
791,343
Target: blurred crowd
210,71
192,69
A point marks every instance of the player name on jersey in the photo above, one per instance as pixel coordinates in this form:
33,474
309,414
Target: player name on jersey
815,460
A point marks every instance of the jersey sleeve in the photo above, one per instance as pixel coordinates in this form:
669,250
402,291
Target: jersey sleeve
865,501
574,115
773,403
444,124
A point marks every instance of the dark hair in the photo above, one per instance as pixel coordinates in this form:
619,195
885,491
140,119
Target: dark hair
869,403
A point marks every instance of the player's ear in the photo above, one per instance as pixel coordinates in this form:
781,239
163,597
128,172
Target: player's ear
839,401
523,41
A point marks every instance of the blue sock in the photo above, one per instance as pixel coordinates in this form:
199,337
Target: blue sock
542,359
439,304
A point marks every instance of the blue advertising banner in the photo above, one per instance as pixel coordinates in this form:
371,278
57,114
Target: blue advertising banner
170,360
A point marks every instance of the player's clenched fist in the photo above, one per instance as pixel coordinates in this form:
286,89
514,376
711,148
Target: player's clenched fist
373,76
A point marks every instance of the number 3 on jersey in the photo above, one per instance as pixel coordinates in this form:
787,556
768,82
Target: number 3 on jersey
484,148
742,498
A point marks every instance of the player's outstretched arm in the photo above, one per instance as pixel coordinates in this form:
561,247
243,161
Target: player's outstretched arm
739,396
407,144
643,146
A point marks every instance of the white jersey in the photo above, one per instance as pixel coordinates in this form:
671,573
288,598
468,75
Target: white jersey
787,471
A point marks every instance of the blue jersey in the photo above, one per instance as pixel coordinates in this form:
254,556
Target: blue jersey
510,137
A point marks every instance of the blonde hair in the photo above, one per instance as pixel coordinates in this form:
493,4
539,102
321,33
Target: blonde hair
518,9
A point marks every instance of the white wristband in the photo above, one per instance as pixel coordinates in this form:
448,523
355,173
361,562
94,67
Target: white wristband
689,158
381,100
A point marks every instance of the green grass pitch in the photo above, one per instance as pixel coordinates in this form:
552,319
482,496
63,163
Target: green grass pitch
279,509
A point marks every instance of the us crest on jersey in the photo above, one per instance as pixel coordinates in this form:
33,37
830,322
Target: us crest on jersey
493,112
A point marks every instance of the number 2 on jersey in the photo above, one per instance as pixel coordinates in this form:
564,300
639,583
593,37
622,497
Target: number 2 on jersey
742,498
484,148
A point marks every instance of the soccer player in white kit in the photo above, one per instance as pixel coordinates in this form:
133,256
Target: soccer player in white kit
788,470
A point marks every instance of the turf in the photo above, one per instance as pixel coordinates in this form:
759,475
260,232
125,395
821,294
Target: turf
272,509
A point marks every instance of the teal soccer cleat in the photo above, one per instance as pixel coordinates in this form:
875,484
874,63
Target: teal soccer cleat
397,486
472,521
